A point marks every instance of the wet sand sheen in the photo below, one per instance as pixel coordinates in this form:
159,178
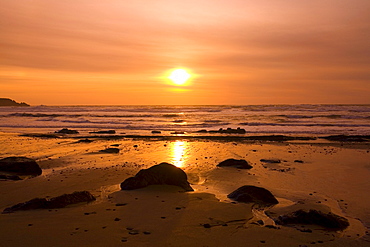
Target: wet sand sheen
330,175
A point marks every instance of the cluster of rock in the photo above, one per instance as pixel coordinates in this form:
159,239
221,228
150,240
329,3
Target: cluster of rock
55,202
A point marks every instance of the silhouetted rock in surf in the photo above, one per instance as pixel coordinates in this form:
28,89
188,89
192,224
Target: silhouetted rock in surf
10,102
103,132
66,131
20,166
350,138
162,174
240,164
253,194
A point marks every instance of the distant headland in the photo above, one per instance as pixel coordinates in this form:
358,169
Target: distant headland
10,102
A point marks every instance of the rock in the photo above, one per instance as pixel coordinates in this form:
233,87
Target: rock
10,177
232,131
298,161
177,133
202,131
240,164
110,150
226,131
162,174
66,131
274,161
85,141
103,132
55,202
68,199
350,138
314,217
20,165
156,132
253,194
10,102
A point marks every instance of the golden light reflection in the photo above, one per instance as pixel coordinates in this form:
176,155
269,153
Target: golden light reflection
178,151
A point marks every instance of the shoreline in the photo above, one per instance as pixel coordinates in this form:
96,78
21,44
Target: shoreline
70,166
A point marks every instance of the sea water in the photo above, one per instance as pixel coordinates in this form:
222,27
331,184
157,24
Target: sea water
141,120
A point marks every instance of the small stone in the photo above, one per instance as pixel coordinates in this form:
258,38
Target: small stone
146,232
206,225
134,232
117,219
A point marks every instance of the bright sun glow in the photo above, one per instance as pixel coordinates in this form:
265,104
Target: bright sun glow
179,154
179,76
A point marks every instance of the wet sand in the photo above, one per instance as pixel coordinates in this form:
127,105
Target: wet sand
332,176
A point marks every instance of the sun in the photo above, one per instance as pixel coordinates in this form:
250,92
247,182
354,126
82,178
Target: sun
179,76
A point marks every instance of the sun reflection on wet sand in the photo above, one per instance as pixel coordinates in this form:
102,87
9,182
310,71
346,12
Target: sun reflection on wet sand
178,153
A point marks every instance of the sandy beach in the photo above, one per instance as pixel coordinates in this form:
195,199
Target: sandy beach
318,174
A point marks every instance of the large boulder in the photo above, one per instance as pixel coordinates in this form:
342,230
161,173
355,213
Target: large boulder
55,202
240,164
314,217
253,194
162,174
20,166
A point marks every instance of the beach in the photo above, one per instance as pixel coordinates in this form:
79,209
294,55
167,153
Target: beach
312,174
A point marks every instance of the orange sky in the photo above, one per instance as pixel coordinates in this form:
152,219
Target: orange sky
57,52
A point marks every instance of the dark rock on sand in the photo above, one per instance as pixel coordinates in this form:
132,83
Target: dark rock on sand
298,161
84,141
110,150
10,177
55,202
103,132
66,131
314,217
253,194
156,132
240,164
20,166
162,174
273,161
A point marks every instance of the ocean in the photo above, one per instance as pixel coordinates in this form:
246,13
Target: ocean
141,120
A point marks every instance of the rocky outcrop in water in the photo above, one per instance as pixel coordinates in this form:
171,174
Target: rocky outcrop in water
20,166
10,102
240,164
253,194
66,131
162,174
103,132
55,202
